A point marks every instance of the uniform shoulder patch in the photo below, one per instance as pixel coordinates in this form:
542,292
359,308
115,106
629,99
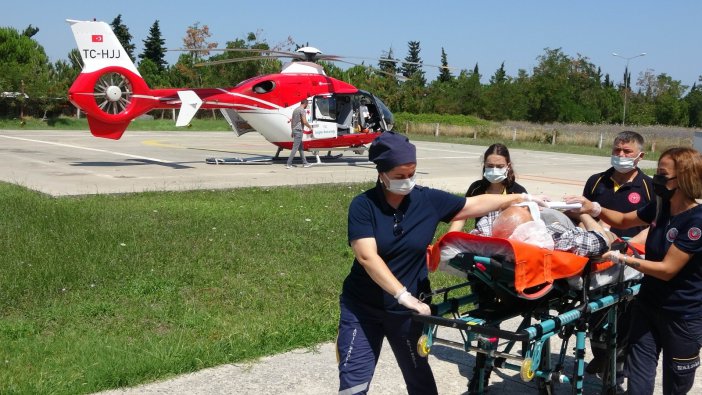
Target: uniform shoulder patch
694,233
634,198
671,235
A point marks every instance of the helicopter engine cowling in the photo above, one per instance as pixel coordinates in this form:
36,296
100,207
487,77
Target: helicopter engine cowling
111,98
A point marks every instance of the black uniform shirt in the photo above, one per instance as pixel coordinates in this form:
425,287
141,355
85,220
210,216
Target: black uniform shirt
628,197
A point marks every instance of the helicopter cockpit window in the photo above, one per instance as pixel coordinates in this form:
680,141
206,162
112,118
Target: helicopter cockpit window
325,108
264,86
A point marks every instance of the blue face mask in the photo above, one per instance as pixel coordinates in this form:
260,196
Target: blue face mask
495,174
399,187
622,164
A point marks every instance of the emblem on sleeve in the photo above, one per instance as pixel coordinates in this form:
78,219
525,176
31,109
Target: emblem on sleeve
671,235
634,198
694,233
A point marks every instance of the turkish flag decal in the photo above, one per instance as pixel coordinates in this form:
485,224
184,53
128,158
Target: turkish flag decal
97,38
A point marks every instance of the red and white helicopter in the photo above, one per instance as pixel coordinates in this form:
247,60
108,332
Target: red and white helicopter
111,92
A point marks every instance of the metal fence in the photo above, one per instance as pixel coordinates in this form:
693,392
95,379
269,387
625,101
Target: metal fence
656,138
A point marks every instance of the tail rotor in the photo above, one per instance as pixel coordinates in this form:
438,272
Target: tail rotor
113,93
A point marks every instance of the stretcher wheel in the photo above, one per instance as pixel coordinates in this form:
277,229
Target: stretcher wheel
526,373
422,348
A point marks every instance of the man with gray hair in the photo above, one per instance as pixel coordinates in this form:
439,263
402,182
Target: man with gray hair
623,187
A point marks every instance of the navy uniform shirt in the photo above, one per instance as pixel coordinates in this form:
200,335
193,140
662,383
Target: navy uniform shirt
681,295
402,237
629,197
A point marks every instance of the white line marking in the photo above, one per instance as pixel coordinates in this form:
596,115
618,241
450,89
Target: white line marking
87,149
447,157
447,150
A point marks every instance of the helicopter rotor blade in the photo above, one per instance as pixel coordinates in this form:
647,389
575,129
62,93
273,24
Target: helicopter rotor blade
399,77
307,54
418,64
236,60
398,61
251,50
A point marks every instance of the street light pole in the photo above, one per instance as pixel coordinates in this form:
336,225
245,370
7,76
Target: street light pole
626,70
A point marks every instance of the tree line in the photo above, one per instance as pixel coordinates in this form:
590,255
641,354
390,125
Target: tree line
560,88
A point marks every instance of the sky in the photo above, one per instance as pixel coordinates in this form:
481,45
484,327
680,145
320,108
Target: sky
484,32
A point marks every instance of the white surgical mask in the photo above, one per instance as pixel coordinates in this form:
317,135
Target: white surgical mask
622,164
495,174
399,187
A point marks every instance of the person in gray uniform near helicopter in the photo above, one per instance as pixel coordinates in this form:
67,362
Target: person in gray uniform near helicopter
298,120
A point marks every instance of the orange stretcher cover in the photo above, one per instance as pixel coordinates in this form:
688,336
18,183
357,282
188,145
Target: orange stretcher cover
533,266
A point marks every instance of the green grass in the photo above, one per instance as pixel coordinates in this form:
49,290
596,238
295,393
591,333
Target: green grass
115,290
447,119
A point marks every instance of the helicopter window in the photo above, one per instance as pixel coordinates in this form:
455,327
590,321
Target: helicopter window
264,87
325,108
344,111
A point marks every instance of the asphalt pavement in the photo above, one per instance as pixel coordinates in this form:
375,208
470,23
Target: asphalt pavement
65,163
61,163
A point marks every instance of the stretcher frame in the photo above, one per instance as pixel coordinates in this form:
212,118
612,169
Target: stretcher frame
563,312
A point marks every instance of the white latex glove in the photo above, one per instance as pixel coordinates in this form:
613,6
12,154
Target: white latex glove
586,207
615,256
406,299
538,199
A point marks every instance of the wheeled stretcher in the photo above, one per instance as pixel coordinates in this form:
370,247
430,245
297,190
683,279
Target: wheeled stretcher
551,293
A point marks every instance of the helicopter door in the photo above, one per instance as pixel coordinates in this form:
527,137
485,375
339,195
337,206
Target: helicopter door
324,117
236,122
381,115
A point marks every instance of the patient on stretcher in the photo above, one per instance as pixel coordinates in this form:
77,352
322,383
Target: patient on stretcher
551,229
563,250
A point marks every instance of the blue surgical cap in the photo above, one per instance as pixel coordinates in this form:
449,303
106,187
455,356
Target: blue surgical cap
391,149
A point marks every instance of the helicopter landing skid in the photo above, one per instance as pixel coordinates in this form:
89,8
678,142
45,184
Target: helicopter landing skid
356,150
238,161
327,156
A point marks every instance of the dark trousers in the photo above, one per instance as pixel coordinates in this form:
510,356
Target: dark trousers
653,330
361,334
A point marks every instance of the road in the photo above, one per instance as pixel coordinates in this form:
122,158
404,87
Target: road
61,163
